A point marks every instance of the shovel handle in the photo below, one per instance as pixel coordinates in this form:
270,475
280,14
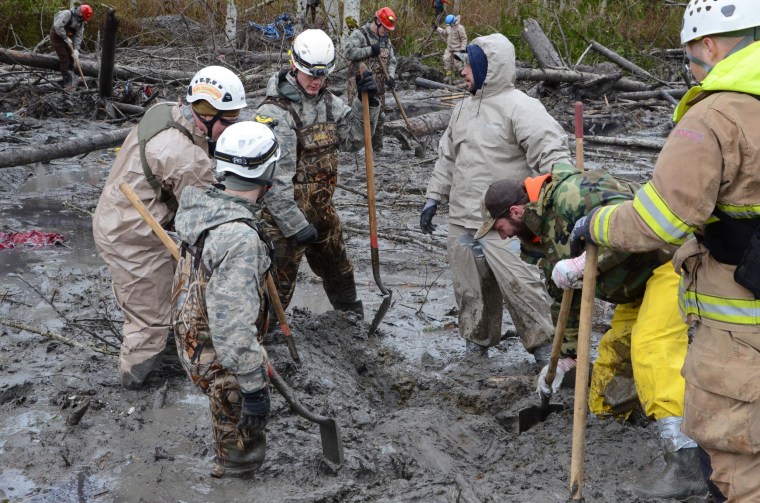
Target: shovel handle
579,161
564,313
275,299
159,231
398,102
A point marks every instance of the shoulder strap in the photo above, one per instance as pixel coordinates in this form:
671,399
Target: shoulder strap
286,105
366,37
158,119
329,106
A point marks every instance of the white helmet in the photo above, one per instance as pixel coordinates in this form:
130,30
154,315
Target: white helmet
219,86
248,149
313,52
713,17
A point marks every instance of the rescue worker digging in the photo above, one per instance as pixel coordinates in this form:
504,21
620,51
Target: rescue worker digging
311,124
169,150
456,41
66,37
219,306
641,355
716,142
497,132
370,45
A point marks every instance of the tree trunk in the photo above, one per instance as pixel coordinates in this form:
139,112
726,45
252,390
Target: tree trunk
621,61
540,45
230,28
70,148
422,124
107,55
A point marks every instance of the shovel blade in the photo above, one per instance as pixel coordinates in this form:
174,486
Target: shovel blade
380,313
528,417
332,442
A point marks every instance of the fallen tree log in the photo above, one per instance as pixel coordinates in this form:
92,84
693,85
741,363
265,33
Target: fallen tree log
70,148
657,93
432,84
92,69
422,124
540,45
622,62
620,141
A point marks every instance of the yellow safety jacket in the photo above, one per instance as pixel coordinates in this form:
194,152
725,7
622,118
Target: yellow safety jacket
711,158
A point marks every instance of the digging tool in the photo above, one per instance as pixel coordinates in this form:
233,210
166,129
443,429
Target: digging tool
584,338
427,39
174,250
76,60
369,161
531,416
329,430
419,150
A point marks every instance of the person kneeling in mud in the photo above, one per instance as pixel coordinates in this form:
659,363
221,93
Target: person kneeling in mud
219,305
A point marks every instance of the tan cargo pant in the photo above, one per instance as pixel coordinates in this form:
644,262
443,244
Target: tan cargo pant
722,407
477,294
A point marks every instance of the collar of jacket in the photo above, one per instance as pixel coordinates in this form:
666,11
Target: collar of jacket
533,186
533,215
740,72
289,89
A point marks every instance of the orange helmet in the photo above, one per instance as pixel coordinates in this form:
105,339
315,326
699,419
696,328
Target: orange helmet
86,11
387,18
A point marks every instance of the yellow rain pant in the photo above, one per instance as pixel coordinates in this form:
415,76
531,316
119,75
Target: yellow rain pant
647,341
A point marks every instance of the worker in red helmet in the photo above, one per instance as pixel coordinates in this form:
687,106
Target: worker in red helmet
370,45
66,37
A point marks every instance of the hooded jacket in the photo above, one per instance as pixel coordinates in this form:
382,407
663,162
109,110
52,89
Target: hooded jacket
499,132
238,260
310,109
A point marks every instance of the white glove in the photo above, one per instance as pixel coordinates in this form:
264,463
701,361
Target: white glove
568,273
75,54
563,365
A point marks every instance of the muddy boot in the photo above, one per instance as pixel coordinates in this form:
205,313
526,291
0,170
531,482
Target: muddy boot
678,475
73,81
355,307
66,82
475,349
241,464
134,377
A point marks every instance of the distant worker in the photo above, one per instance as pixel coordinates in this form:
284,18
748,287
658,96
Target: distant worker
312,125
169,149
497,132
456,41
311,9
219,300
66,37
370,45
439,7
641,355
704,199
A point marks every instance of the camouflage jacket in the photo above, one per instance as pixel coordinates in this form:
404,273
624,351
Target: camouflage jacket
238,261
564,198
310,109
357,48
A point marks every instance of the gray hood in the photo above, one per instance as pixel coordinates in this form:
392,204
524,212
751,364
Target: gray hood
502,70
202,209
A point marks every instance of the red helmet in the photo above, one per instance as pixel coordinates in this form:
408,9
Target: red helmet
86,11
387,18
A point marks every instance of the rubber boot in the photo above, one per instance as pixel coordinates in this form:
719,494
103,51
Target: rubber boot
475,349
66,78
241,464
678,474
355,307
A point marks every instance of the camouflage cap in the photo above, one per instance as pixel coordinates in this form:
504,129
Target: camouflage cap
497,200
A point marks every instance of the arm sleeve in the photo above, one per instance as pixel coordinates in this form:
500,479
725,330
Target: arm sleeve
280,199
351,123
540,136
439,185
59,23
178,163
79,36
234,254
392,62
356,48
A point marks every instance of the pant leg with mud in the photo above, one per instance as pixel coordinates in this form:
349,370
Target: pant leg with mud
314,185
65,59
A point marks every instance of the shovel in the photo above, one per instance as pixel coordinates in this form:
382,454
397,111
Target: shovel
329,431
528,417
172,247
375,254
419,150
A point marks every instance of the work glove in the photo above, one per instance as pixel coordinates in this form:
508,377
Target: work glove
563,365
391,83
568,273
426,217
75,54
306,235
365,83
581,233
375,50
434,25
253,416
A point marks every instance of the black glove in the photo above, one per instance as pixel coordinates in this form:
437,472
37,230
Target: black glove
375,50
366,84
253,416
391,83
426,217
435,25
581,233
306,235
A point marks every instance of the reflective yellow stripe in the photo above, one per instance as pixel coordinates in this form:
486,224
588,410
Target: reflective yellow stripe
653,209
726,310
601,224
740,210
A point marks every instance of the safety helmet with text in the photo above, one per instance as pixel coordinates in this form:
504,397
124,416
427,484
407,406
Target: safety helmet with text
248,149
450,19
86,11
713,17
313,53
386,18
219,86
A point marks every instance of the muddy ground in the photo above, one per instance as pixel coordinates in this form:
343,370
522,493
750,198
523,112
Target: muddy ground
422,421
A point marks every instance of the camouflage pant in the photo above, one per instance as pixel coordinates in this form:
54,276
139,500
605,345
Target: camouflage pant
235,449
326,256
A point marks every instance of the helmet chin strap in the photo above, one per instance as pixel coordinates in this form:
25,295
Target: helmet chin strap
209,123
